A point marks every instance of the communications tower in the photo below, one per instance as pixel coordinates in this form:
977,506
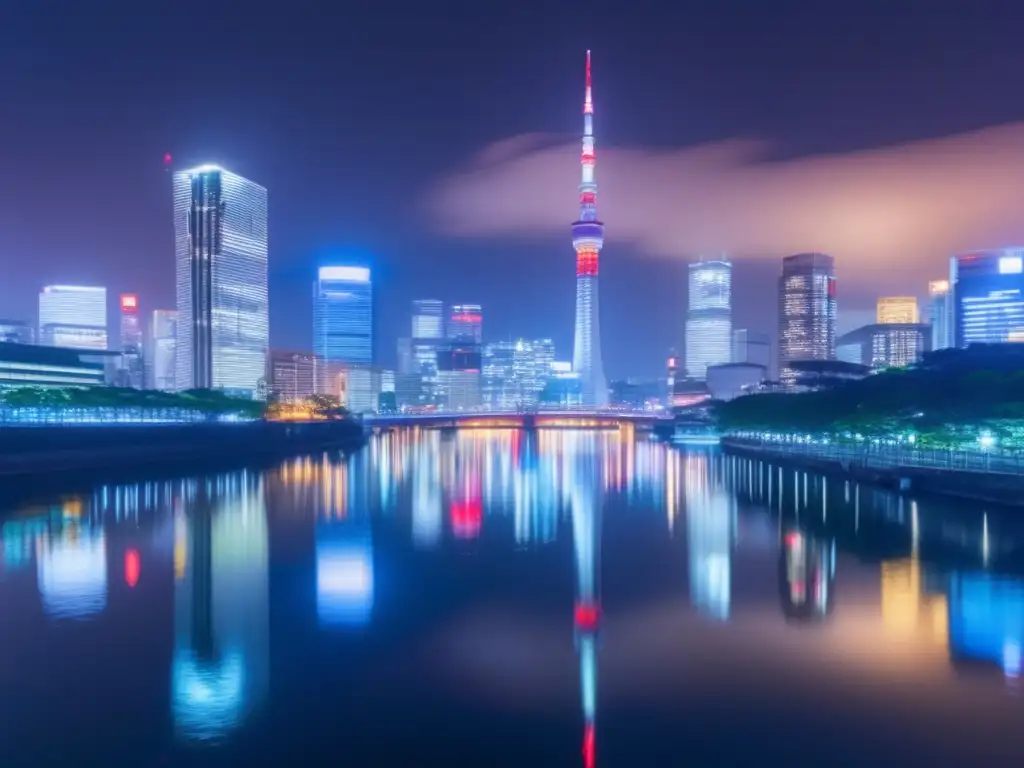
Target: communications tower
587,239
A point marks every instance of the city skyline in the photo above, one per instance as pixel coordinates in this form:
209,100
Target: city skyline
349,159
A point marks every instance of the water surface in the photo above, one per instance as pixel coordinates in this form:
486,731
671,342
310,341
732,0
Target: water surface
508,598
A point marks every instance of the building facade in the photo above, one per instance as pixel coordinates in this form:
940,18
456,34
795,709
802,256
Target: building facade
897,309
988,296
73,316
29,365
807,310
940,314
161,357
709,317
587,240
752,347
458,377
500,388
221,250
16,332
133,370
295,376
428,329
466,323
343,315
884,345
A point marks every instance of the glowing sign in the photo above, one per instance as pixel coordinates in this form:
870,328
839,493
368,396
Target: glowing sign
129,301
350,274
1011,265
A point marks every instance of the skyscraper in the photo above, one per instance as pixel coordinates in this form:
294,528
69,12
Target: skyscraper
16,332
587,239
709,317
343,315
749,346
807,310
988,290
73,316
161,357
465,323
220,233
897,309
132,368
427,336
940,313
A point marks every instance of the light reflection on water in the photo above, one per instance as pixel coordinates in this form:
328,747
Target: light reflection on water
887,586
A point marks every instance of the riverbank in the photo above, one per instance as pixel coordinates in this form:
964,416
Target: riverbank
53,451
967,482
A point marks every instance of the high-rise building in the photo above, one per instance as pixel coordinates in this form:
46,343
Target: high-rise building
543,362
587,239
293,376
897,309
752,347
73,316
220,231
161,357
458,376
988,296
500,388
807,310
343,315
884,345
16,332
427,337
132,367
465,323
940,313
709,317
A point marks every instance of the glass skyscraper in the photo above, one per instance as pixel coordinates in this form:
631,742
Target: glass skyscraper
220,233
427,335
465,323
709,318
807,310
132,365
161,357
940,313
73,316
343,315
988,290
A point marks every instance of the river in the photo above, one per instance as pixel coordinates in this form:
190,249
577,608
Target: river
491,598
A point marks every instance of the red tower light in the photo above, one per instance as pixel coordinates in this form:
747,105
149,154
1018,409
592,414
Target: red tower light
586,262
586,617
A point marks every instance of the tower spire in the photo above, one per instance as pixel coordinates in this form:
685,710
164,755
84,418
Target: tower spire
587,239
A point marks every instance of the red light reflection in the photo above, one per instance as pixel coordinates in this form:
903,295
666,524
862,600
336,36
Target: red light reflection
132,567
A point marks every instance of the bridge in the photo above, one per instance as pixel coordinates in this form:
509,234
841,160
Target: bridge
541,419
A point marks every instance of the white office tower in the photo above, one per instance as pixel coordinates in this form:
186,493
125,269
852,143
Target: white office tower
73,316
162,335
220,232
709,317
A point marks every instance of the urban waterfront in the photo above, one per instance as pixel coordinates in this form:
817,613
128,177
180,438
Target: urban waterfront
506,597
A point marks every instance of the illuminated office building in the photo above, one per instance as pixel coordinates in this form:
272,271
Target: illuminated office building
466,323
940,314
807,310
16,332
73,316
500,388
427,337
293,376
132,366
709,317
897,310
458,377
894,345
220,231
343,315
161,357
988,291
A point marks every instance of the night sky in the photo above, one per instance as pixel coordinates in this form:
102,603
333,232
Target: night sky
366,124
